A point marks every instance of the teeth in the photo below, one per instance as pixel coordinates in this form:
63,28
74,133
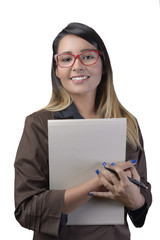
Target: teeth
79,78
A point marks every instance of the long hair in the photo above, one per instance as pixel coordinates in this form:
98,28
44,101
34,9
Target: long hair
107,103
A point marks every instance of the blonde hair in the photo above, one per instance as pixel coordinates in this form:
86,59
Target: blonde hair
107,103
109,107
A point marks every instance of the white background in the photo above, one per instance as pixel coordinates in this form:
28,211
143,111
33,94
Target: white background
130,30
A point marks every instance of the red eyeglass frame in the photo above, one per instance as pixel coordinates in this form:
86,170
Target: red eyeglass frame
77,56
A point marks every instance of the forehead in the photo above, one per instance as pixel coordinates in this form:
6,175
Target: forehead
74,44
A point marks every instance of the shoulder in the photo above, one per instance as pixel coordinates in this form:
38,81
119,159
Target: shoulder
39,119
42,115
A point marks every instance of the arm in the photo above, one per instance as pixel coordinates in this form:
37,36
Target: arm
138,216
36,207
76,196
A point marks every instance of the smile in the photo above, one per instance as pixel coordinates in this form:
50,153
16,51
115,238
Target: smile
79,78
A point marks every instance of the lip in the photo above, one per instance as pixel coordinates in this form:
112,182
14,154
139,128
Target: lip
79,78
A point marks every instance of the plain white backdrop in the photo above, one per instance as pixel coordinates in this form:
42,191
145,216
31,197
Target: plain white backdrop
130,30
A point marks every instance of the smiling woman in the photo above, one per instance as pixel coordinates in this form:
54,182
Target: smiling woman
75,39
82,88
81,74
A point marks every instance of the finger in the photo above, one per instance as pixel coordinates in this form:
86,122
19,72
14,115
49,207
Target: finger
128,172
108,175
115,180
125,165
105,181
121,173
102,194
111,177
135,174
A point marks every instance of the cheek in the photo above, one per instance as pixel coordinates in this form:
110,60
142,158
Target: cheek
99,68
58,73
97,72
61,73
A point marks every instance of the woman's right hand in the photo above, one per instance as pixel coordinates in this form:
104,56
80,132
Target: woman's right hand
109,175
120,188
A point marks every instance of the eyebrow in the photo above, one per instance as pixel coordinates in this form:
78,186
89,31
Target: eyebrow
88,49
83,50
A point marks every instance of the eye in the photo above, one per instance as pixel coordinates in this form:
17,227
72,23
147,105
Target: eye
65,58
88,57
68,59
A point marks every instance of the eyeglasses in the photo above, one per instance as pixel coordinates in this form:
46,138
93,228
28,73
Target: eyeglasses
87,58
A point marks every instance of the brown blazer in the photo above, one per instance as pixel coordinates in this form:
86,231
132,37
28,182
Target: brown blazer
40,209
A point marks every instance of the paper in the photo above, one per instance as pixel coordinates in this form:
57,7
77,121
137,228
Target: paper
76,149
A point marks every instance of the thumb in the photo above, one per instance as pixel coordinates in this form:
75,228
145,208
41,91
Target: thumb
102,194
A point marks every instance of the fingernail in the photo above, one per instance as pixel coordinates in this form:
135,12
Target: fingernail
90,194
133,161
113,164
97,171
104,164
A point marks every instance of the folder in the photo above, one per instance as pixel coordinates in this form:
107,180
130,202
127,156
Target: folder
77,148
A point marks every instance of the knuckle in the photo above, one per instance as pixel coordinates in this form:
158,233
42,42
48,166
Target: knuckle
106,174
120,191
119,170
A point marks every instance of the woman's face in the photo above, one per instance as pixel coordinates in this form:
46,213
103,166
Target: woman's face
78,79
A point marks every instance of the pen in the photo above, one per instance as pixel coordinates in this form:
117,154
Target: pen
130,179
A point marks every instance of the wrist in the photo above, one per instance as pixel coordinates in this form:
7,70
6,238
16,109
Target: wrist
96,184
138,204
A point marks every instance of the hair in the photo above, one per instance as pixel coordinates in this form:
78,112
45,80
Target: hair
107,103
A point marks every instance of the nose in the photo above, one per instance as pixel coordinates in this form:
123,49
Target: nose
77,65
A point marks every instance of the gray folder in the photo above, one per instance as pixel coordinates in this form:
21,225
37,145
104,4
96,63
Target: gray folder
76,149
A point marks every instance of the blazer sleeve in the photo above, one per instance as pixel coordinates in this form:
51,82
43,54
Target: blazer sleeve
138,216
36,207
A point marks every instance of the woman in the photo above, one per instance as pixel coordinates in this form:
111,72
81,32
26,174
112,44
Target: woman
82,88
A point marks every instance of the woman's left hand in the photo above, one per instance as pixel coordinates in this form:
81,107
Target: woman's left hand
121,189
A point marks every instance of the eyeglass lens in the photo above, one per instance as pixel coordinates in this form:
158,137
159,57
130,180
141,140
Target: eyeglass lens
87,58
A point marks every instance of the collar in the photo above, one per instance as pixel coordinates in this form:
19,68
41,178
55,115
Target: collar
70,112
